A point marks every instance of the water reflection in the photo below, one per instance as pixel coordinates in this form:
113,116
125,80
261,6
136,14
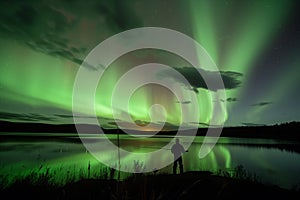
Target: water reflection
266,158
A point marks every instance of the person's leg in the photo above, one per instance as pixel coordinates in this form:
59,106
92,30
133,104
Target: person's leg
180,165
174,166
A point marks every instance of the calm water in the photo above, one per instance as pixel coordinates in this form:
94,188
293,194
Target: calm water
273,161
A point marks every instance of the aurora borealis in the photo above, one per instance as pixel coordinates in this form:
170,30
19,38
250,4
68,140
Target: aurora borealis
256,42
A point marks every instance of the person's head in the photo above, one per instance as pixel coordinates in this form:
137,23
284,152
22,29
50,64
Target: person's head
177,140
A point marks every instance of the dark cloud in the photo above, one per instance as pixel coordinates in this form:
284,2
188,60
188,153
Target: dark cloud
231,99
201,124
118,14
101,119
230,79
45,26
251,124
31,117
137,122
141,123
40,27
265,103
153,126
184,102
52,118
204,125
64,116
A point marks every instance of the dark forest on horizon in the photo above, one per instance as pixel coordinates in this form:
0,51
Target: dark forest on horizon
288,131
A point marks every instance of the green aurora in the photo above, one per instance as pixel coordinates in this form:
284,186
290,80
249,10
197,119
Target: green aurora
43,45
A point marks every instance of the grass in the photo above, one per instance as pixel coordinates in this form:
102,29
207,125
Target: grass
239,172
91,184
57,177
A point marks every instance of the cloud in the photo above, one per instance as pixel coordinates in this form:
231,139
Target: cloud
201,124
118,14
204,125
264,103
141,123
64,116
184,102
230,79
251,124
154,126
231,99
40,27
46,26
30,117
103,121
52,118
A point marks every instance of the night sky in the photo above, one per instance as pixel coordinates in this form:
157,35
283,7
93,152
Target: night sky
255,45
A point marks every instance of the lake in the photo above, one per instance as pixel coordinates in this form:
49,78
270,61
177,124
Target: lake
275,162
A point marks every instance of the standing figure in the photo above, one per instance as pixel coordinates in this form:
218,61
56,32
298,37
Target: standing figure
177,150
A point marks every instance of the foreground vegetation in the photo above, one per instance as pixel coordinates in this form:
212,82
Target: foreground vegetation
237,183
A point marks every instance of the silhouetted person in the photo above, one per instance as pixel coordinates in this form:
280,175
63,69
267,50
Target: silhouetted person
177,149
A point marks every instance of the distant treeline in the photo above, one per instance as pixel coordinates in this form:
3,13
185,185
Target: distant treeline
290,130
